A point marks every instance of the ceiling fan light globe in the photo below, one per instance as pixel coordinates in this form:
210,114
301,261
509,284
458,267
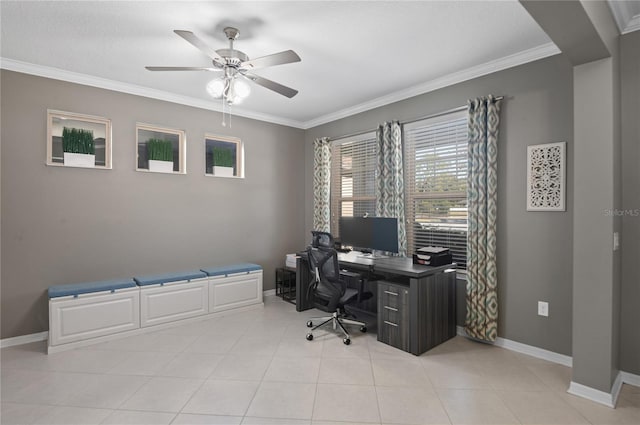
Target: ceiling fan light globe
216,87
241,88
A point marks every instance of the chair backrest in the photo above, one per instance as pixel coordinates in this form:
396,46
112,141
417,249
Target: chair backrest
321,239
327,287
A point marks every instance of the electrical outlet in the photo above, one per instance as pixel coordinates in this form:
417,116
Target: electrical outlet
543,308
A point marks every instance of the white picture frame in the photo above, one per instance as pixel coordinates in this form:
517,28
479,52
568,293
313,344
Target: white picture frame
546,177
177,138
58,122
235,147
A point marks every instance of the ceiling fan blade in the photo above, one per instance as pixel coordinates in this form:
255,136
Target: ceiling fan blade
271,85
288,56
181,68
192,39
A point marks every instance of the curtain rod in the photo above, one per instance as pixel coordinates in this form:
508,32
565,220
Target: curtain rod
437,114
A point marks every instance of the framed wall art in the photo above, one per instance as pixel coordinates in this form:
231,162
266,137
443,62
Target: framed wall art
224,156
546,177
77,140
160,149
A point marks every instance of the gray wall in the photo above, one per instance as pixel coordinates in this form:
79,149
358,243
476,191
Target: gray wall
65,225
596,284
594,347
630,239
535,251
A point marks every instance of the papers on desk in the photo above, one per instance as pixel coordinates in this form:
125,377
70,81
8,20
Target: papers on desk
290,260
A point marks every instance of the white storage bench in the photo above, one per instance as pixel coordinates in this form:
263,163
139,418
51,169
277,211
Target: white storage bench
172,296
86,313
92,309
234,286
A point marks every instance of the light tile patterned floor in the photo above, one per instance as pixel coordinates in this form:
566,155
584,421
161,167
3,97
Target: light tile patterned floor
258,368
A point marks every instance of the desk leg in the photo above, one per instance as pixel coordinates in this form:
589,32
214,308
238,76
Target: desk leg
302,285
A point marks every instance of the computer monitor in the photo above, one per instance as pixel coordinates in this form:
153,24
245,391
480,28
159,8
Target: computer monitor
371,233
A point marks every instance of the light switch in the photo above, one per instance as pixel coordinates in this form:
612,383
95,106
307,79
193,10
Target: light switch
543,308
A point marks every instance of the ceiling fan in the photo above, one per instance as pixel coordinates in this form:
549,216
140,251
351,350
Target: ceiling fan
236,66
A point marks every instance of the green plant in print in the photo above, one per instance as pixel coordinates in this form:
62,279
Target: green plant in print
160,150
223,157
77,140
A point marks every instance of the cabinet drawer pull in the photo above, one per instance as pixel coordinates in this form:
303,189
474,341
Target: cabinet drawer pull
392,324
391,293
390,308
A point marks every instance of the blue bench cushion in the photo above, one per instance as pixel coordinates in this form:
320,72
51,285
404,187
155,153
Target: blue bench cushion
88,287
227,270
169,277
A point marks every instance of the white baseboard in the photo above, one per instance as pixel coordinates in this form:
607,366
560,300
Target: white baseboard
598,396
24,339
530,350
269,293
602,397
630,379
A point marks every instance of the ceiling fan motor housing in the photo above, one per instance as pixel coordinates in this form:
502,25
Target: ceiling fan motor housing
233,57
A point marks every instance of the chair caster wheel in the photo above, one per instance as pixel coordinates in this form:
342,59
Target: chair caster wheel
346,341
309,337
309,324
363,329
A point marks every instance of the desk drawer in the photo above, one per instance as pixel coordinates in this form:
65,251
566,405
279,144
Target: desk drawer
393,296
393,315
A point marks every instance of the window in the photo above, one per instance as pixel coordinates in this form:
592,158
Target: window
436,184
353,177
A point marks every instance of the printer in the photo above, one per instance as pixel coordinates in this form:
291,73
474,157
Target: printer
432,256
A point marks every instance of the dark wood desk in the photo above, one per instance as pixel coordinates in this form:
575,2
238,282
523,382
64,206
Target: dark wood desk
429,317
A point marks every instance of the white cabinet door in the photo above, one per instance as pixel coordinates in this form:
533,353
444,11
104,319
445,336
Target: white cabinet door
171,302
93,315
230,292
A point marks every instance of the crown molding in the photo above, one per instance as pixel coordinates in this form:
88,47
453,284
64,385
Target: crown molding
632,25
490,67
625,19
104,83
506,62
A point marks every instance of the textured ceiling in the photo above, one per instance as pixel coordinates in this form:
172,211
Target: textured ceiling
355,54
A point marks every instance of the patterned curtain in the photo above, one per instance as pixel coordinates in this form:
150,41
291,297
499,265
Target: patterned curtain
482,284
390,179
321,180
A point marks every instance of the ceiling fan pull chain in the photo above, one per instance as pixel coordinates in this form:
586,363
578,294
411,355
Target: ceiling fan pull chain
224,124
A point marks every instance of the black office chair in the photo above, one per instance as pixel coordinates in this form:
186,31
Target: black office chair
321,239
329,292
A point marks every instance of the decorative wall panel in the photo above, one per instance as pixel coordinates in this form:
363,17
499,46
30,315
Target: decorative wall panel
546,171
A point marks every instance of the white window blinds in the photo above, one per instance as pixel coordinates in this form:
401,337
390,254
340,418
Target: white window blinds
436,184
353,174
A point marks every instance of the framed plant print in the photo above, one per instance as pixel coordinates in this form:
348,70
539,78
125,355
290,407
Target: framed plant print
224,156
160,149
78,140
546,177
